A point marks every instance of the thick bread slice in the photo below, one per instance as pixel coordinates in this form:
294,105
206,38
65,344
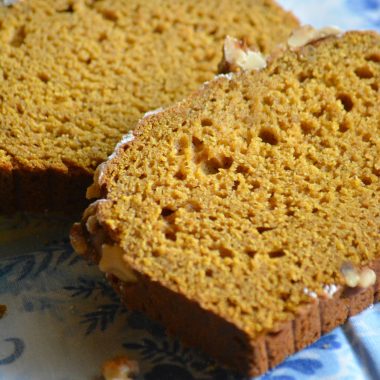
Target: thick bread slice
246,218
75,75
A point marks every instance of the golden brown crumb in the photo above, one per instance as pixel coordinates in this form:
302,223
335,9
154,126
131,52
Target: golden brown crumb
77,75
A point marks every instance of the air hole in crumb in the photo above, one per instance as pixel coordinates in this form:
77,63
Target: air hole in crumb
171,235
235,185
268,100
250,252
376,171
302,77
231,302
225,252
315,210
142,176
182,144
346,101
268,136
209,273
364,72
180,175
375,86
374,57
213,165
255,185
284,296
197,144
102,37
306,127
242,169
109,14
18,37
20,108
344,126
276,254
166,212
68,9
261,230
194,206
206,122
159,29
43,77
366,180
366,137
156,253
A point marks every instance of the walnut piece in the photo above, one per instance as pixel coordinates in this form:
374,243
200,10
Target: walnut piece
120,368
353,277
237,56
367,278
77,239
306,34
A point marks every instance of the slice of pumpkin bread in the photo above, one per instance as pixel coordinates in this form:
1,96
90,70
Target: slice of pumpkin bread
75,75
246,217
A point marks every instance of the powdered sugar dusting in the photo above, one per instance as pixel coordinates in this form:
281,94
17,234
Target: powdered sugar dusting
228,76
124,140
310,293
153,112
330,290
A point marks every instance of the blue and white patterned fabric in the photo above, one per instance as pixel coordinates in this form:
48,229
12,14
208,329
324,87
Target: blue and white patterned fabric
63,319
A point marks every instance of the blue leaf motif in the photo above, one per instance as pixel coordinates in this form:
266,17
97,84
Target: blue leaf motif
326,342
6,269
305,366
101,318
44,264
18,349
31,265
87,288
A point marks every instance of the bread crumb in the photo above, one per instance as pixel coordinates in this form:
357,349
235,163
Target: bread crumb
3,310
120,368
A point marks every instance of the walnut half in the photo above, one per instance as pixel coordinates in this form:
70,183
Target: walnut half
237,56
307,34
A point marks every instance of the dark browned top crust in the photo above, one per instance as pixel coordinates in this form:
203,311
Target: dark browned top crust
78,74
257,198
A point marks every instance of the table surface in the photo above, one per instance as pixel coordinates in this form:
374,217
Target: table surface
63,320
